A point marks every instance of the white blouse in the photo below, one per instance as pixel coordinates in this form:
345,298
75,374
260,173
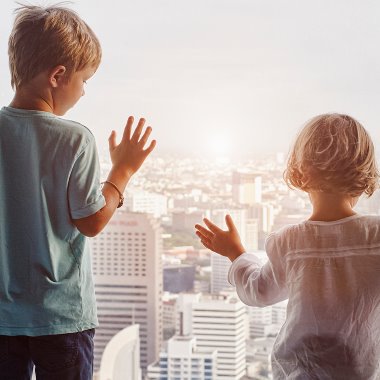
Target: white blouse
330,271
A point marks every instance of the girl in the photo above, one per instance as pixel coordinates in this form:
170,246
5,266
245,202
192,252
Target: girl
327,266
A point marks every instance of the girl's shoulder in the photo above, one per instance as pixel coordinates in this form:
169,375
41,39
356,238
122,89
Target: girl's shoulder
354,231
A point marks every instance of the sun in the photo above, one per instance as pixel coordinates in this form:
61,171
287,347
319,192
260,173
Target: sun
219,144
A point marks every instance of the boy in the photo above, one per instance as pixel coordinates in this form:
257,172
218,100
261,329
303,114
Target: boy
51,199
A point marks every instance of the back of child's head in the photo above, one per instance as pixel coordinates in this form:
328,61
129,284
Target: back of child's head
45,37
333,153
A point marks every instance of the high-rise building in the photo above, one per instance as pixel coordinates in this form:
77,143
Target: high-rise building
184,220
219,271
182,360
150,203
179,278
267,320
251,242
218,322
121,357
185,312
128,282
279,312
169,313
260,320
246,187
264,213
239,216
220,264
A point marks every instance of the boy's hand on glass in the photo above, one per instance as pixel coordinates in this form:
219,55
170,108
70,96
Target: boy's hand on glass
226,243
129,154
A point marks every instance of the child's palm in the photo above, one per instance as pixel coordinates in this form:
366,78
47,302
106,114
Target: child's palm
226,243
129,155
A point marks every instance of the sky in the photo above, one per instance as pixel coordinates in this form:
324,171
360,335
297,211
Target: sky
224,77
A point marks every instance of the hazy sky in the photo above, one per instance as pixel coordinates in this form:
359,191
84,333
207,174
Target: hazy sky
243,75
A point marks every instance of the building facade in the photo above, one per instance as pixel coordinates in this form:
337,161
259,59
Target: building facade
218,322
121,357
183,361
128,282
246,187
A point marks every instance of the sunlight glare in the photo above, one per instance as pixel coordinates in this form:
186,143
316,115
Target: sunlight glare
219,145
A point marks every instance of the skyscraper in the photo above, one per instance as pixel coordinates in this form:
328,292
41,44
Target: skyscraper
121,357
219,271
267,320
246,187
182,360
220,264
128,282
218,322
143,201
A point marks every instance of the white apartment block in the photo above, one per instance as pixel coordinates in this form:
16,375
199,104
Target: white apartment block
183,361
219,323
260,349
264,213
150,203
220,266
128,282
169,302
251,242
266,321
121,357
239,216
279,312
246,187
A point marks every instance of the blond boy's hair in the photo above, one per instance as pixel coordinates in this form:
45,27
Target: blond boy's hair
333,153
45,37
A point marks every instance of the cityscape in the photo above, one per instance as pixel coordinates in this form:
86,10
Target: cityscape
218,77
165,307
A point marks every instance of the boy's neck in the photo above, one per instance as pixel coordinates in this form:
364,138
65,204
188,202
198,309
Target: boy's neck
31,104
33,96
329,206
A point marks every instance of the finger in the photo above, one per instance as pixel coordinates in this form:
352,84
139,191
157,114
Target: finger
145,136
230,224
213,228
137,132
150,147
128,129
202,236
204,231
206,244
112,141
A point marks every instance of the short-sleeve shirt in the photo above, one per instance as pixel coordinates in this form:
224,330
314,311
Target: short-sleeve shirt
330,272
49,175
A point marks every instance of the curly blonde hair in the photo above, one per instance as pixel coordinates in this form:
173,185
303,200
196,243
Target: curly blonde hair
333,153
45,37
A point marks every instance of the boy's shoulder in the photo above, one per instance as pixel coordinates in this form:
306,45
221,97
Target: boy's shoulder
74,129
55,124
73,134
45,129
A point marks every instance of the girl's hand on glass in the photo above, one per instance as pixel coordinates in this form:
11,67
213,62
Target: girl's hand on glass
226,243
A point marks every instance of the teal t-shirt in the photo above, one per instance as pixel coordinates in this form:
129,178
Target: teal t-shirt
49,175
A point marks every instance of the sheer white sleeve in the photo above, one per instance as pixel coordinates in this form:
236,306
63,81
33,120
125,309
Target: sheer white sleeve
257,284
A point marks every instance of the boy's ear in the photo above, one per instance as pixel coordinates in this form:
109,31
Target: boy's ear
56,75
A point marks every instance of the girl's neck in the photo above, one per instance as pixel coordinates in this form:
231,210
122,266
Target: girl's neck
329,206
